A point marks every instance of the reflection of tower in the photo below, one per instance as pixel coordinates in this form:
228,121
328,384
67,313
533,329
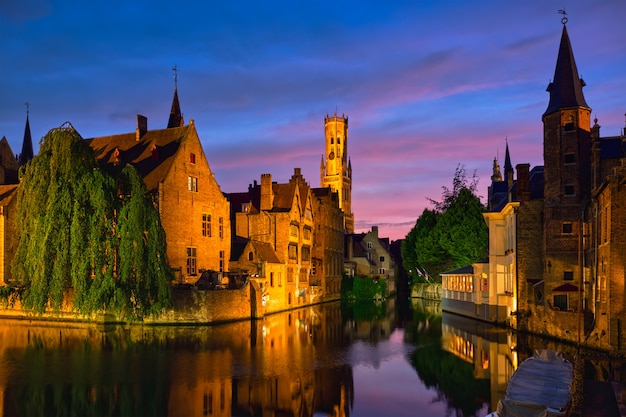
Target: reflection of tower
336,168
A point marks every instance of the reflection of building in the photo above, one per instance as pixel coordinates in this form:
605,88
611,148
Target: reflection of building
489,351
201,395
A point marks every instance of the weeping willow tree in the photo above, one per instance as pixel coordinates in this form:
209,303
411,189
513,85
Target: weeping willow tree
87,233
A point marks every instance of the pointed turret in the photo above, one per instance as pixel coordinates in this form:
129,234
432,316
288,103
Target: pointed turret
496,174
566,90
176,116
508,166
27,145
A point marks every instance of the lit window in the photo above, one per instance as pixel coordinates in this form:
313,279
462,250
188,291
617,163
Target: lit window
293,251
192,184
206,225
191,261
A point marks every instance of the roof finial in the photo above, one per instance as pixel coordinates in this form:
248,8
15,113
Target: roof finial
564,13
175,69
27,108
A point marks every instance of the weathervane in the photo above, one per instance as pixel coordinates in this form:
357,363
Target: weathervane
564,13
175,69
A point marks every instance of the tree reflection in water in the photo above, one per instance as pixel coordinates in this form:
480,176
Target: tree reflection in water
339,360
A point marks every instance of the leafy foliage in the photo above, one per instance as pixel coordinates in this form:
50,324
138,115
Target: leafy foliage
363,288
452,235
73,230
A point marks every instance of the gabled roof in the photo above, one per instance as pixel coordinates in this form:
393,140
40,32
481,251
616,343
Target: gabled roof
566,90
7,192
152,155
283,196
265,252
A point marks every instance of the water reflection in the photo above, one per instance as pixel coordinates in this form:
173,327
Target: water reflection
364,359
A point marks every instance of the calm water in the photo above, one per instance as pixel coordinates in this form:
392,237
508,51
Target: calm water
328,360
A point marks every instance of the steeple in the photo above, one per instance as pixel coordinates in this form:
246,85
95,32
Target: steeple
508,167
566,90
176,116
27,146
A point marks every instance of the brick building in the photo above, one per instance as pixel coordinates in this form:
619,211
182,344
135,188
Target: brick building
276,220
194,212
557,248
368,255
327,262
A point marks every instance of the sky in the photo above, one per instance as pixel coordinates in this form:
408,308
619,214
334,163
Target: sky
427,86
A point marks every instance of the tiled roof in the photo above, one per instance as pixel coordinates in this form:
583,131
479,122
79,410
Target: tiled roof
265,252
283,196
152,155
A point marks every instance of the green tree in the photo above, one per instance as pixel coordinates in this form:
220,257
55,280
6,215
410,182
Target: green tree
451,235
73,230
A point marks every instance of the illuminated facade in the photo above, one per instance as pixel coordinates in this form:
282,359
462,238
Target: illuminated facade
336,168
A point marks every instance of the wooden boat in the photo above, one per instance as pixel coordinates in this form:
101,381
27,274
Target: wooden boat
540,387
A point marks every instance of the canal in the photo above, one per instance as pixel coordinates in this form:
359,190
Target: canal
368,359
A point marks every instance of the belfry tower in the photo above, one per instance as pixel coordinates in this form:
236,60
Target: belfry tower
567,169
336,168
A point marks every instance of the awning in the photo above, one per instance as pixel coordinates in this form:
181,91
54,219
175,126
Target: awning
566,288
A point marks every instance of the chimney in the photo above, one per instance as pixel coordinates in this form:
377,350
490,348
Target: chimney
142,127
375,231
267,192
523,182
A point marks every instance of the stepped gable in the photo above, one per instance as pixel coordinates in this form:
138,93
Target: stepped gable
152,155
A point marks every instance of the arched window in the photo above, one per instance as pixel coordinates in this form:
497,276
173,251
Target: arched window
250,256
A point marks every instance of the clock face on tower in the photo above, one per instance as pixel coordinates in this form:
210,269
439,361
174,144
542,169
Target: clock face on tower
331,155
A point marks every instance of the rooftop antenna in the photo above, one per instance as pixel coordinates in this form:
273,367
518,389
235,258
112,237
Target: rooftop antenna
564,13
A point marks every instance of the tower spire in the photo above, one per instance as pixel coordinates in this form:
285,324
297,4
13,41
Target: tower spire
27,145
566,89
176,116
508,166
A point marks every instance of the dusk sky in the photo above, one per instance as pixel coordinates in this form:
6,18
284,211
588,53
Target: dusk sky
426,85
